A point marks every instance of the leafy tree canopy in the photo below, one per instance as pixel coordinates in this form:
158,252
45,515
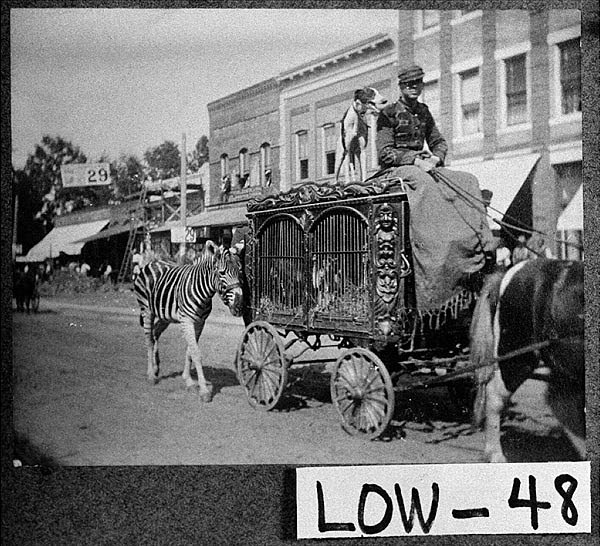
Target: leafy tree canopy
164,161
199,155
127,173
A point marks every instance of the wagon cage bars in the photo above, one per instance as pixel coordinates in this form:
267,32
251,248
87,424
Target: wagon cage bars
473,200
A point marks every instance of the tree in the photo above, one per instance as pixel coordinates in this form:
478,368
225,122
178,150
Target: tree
128,175
29,230
199,155
42,168
164,161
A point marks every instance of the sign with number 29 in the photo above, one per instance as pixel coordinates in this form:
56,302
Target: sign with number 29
85,174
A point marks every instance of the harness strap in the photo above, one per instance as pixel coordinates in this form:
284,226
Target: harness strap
473,367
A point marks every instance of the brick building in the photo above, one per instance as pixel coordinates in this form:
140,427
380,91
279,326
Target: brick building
505,88
503,85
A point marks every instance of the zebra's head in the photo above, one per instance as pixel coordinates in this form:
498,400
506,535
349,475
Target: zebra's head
228,272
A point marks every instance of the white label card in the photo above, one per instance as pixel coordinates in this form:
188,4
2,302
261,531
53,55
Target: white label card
453,499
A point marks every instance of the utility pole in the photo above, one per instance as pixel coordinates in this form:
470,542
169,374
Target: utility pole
183,195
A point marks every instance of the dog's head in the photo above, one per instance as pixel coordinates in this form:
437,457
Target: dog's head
368,99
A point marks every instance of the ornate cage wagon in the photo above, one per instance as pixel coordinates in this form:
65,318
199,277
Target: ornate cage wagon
336,262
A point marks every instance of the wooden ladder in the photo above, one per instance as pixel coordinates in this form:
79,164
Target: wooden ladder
134,223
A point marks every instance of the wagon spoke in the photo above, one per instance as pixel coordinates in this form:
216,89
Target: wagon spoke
369,408
262,349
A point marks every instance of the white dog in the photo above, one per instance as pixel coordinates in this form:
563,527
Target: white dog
354,136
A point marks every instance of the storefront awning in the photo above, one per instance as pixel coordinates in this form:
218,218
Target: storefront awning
572,217
65,239
104,234
504,177
230,216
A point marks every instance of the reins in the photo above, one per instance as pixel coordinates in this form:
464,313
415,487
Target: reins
474,367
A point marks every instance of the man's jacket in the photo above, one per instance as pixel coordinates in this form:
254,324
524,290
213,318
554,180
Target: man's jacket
402,131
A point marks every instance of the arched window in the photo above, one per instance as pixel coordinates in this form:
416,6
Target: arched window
244,166
224,165
265,164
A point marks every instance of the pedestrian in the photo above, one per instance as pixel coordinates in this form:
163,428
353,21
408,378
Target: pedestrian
136,263
107,274
520,253
503,255
541,250
84,269
238,246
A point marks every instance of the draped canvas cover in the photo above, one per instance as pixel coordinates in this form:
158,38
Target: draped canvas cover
448,232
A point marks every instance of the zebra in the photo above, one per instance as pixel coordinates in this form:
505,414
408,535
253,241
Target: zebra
167,294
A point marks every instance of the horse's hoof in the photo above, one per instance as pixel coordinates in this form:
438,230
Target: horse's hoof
153,380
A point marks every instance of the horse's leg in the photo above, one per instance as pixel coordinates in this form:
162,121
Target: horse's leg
191,334
497,396
568,406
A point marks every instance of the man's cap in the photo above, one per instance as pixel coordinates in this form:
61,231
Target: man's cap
410,74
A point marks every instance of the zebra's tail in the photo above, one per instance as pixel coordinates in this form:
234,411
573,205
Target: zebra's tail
483,342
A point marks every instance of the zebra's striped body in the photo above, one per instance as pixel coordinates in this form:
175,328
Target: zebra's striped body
183,294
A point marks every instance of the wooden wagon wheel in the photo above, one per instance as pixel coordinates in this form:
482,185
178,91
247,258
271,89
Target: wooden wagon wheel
362,393
261,365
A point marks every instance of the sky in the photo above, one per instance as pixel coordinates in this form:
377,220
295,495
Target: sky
120,81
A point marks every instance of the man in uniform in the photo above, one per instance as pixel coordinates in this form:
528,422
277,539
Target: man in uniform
404,126
449,235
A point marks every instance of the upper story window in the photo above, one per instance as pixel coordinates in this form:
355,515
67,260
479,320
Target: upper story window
565,74
516,89
329,144
463,15
224,165
431,18
570,76
243,161
265,164
470,102
302,155
431,97
427,21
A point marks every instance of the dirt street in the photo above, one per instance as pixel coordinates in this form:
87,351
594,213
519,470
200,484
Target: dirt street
81,398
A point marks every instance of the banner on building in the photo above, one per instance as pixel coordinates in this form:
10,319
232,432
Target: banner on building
85,174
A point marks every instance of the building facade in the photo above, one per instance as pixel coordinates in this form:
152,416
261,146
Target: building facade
503,85
505,88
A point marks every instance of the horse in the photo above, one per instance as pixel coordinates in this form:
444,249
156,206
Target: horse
25,286
530,318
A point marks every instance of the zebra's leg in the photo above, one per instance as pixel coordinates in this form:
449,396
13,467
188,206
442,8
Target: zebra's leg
151,348
189,382
190,331
497,396
159,327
